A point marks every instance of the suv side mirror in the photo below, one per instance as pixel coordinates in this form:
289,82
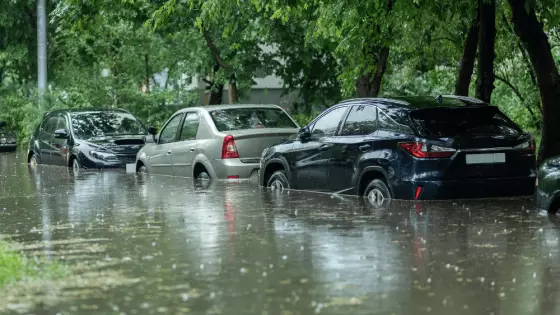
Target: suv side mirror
152,130
304,133
61,134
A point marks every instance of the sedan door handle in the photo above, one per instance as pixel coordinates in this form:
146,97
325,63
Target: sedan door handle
364,147
168,152
324,147
192,149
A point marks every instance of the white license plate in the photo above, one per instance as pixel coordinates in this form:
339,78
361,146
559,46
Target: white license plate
131,168
486,158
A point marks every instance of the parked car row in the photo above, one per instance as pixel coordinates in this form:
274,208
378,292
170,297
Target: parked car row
415,148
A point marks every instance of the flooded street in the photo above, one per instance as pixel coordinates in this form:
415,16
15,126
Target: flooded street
165,245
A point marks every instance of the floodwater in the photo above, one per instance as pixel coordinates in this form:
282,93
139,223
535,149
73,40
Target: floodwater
165,245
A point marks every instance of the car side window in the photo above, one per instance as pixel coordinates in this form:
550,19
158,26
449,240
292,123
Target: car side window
361,121
190,127
169,132
329,123
392,120
49,126
62,123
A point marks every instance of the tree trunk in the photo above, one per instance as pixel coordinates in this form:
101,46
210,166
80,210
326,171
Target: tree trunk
216,95
466,66
232,90
147,69
486,54
369,84
531,33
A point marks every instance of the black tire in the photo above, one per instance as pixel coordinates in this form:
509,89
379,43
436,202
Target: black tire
278,181
33,160
377,193
203,175
142,170
76,167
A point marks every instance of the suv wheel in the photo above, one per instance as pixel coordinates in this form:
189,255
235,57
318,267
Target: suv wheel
278,181
377,193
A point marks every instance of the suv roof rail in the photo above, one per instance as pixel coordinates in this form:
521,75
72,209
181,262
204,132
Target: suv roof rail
467,100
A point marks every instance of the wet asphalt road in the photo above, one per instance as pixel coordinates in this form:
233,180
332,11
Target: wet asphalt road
166,245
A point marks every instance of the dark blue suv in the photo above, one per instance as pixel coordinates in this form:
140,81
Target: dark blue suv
406,148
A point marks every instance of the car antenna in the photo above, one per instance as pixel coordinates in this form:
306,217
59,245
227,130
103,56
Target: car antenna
439,98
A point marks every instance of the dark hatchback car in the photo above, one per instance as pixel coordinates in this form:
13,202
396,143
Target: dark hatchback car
87,138
548,186
8,138
406,148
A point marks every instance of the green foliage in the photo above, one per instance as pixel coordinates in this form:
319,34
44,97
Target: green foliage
16,267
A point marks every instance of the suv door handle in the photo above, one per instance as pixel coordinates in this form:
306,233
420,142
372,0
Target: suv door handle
364,147
324,147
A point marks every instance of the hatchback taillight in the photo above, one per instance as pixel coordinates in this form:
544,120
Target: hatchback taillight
229,150
424,151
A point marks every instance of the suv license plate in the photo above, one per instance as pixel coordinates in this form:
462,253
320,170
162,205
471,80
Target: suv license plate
486,158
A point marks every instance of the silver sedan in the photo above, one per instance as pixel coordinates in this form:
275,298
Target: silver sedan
215,142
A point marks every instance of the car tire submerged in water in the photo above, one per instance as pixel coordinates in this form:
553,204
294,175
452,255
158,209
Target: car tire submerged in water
377,193
203,176
76,167
33,161
278,181
142,170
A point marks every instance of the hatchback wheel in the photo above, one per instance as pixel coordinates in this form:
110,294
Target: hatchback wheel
33,162
278,181
76,167
377,193
142,170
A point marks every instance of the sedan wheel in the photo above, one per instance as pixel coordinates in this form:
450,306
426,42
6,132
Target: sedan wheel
33,161
142,170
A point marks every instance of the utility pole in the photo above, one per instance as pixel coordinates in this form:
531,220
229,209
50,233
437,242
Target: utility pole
41,49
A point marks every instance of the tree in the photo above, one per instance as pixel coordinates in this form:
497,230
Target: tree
531,33
486,43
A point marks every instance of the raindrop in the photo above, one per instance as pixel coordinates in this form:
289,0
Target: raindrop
264,273
301,248
513,280
201,266
534,275
429,280
173,266
456,268
482,279
248,227
153,243
492,283
243,270
284,257
212,295
270,266
502,294
184,296
145,305
448,266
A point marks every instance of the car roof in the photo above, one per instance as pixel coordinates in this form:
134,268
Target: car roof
424,102
231,106
85,110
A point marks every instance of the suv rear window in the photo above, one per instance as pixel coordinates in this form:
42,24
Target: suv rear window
250,118
452,122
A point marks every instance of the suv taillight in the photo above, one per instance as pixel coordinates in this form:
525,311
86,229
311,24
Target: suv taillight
229,150
528,145
424,151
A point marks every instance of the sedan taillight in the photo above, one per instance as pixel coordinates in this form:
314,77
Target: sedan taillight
423,151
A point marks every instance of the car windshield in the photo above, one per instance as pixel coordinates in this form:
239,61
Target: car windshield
250,118
452,122
89,125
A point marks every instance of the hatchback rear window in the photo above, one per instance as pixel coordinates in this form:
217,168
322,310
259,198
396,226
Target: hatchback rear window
250,118
453,122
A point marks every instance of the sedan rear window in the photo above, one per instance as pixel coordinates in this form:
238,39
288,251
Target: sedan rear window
452,122
250,118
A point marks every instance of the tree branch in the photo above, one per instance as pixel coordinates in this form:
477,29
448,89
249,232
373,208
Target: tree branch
521,98
213,50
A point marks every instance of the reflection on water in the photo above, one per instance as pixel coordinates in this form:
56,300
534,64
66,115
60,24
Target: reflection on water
168,245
